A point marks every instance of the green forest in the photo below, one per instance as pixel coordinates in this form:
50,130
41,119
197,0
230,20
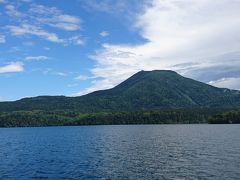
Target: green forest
73,118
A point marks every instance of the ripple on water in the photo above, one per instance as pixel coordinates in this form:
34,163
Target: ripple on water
121,152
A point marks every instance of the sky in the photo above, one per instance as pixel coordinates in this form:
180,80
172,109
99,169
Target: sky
71,48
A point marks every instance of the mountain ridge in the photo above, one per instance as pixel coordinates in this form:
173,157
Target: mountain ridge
157,89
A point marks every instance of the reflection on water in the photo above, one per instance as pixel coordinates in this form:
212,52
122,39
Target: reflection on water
120,152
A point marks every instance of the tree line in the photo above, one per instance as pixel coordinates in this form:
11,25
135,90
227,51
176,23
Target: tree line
74,118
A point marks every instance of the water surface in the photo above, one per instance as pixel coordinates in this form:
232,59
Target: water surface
121,152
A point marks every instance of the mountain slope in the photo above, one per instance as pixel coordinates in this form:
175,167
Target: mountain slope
145,90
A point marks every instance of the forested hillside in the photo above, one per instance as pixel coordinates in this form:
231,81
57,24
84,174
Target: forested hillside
146,97
143,91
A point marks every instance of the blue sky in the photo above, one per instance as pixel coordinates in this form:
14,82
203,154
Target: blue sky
71,48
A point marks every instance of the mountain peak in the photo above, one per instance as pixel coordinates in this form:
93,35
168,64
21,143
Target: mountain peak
158,71
149,76
144,90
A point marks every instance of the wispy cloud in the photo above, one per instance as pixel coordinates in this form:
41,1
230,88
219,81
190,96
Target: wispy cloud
26,1
14,49
3,1
36,58
104,33
76,40
60,73
123,7
230,82
2,39
46,48
12,67
2,98
50,71
54,17
13,12
66,26
82,77
40,21
176,32
104,84
27,29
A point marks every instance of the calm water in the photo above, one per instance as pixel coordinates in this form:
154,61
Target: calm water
121,152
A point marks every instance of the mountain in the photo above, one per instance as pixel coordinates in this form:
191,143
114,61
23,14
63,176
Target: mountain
158,89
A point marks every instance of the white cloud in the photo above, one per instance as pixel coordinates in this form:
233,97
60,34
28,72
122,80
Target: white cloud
68,18
36,58
60,73
82,77
116,7
49,71
27,29
14,49
44,11
41,21
104,84
2,98
2,39
104,33
104,6
46,48
26,1
176,32
12,67
231,83
77,40
54,17
12,11
3,1
66,26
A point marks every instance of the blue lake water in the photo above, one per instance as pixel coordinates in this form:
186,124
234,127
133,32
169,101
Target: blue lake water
121,152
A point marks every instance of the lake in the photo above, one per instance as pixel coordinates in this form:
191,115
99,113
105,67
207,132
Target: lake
121,152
